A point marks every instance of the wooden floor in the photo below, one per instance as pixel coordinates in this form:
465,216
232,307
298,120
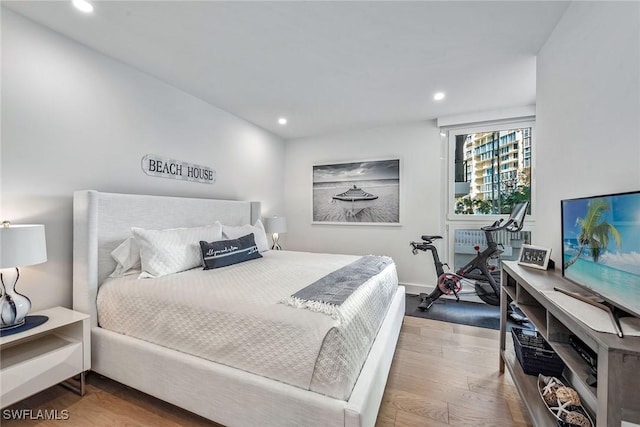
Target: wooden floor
443,374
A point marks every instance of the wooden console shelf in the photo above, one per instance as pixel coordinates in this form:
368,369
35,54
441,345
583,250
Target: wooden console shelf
616,398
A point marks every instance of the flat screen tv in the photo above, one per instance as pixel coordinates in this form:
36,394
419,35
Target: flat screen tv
601,247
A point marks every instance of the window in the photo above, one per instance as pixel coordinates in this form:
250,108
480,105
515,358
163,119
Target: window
489,178
497,163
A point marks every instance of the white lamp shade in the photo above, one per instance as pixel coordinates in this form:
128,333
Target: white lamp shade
275,224
22,245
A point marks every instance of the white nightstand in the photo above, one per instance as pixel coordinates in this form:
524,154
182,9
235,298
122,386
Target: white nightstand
46,355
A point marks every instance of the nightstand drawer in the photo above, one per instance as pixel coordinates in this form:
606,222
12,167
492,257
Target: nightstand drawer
35,365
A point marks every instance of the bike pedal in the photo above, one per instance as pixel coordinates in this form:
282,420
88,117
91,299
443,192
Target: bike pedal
425,305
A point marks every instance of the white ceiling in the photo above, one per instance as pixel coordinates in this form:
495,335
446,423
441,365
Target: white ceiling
326,66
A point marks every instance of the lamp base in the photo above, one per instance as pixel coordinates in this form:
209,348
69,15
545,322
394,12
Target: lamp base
276,246
14,306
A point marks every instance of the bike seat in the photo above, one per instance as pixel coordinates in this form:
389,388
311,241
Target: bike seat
428,238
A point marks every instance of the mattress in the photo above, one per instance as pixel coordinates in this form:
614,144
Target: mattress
235,316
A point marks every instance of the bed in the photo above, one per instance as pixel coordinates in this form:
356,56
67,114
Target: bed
215,388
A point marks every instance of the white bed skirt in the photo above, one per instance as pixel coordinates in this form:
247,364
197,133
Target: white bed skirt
237,398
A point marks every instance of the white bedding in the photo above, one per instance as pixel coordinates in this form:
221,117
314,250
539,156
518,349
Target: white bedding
234,316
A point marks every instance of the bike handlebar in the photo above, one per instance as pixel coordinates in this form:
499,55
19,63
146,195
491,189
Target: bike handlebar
515,221
513,224
416,246
495,226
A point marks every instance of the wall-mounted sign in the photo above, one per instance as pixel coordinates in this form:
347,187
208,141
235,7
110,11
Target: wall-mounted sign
169,168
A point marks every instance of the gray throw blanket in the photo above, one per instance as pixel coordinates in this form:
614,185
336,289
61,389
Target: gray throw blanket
328,293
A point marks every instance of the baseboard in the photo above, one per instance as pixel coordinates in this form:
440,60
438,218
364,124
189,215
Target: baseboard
417,288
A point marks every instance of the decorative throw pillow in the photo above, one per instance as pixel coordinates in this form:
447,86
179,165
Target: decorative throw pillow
172,250
127,258
260,236
227,252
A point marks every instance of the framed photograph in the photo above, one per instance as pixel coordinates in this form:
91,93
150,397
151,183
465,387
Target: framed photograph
534,256
366,192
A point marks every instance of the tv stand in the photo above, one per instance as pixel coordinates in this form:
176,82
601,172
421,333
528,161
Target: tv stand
606,308
615,397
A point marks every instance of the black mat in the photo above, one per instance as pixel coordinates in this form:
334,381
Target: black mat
30,322
463,312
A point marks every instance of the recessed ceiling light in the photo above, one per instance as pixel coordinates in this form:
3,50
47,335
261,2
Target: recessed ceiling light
83,5
438,96
282,121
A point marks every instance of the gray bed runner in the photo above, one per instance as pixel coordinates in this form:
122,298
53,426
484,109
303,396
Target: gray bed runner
328,293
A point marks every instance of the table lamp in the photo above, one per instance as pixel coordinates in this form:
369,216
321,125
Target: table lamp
20,245
275,225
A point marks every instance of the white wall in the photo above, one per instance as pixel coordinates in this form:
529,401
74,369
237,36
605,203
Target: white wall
418,146
74,119
588,110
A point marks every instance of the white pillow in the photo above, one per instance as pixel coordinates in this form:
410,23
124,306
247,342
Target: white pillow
127,257
234,232
172,250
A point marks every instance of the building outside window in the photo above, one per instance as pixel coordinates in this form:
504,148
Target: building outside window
497,171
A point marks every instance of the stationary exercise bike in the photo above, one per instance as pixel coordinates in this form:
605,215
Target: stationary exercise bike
477,271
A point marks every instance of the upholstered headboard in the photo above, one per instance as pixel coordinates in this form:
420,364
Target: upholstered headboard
101,221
